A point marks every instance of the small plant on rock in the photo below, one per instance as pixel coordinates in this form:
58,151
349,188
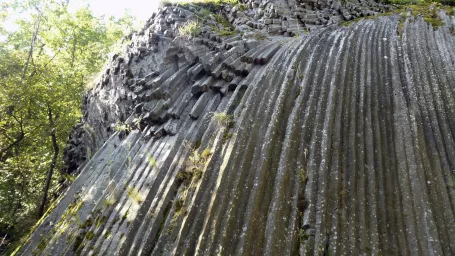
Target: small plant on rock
122,127
224,119
190,29
195,166
226,136
151,160
109,201
135,195
137,122
179,210
223,27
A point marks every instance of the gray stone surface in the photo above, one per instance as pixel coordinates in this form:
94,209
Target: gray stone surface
338,142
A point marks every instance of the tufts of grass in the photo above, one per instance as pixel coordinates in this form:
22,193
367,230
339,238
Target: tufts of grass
428,10
429,13
242,7
406,2
224,120
226,136
190,29
422,2
137,122
194,167
120,127
300,33
151,160
179,210
434,21
223,27
260,36
68,177
108,202
400,26
204,13
135,195
100,221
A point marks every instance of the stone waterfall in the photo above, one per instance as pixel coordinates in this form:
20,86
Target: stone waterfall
337,142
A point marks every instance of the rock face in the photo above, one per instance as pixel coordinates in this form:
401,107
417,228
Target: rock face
340,142
152,50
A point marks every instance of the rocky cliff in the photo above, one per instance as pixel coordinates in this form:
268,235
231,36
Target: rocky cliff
271,131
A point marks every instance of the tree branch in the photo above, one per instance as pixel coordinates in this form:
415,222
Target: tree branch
30,53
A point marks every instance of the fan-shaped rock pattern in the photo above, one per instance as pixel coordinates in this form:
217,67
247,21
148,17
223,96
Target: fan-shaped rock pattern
341,142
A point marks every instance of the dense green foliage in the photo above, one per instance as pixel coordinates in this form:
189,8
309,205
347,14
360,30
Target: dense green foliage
44,67
420,2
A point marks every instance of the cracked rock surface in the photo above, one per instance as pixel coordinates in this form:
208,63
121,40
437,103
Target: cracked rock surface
340,141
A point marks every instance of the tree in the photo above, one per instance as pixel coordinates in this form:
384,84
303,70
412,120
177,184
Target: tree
44,66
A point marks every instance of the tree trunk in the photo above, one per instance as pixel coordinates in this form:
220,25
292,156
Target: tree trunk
32,45
7,151
53,163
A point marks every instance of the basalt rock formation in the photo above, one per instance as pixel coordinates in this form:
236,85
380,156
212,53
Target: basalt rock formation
340,141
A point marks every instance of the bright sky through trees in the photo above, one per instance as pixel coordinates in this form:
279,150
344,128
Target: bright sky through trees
141,9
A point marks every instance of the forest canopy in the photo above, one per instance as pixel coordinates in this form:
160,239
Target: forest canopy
45,67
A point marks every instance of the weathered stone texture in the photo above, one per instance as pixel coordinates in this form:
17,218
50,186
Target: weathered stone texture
341,142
